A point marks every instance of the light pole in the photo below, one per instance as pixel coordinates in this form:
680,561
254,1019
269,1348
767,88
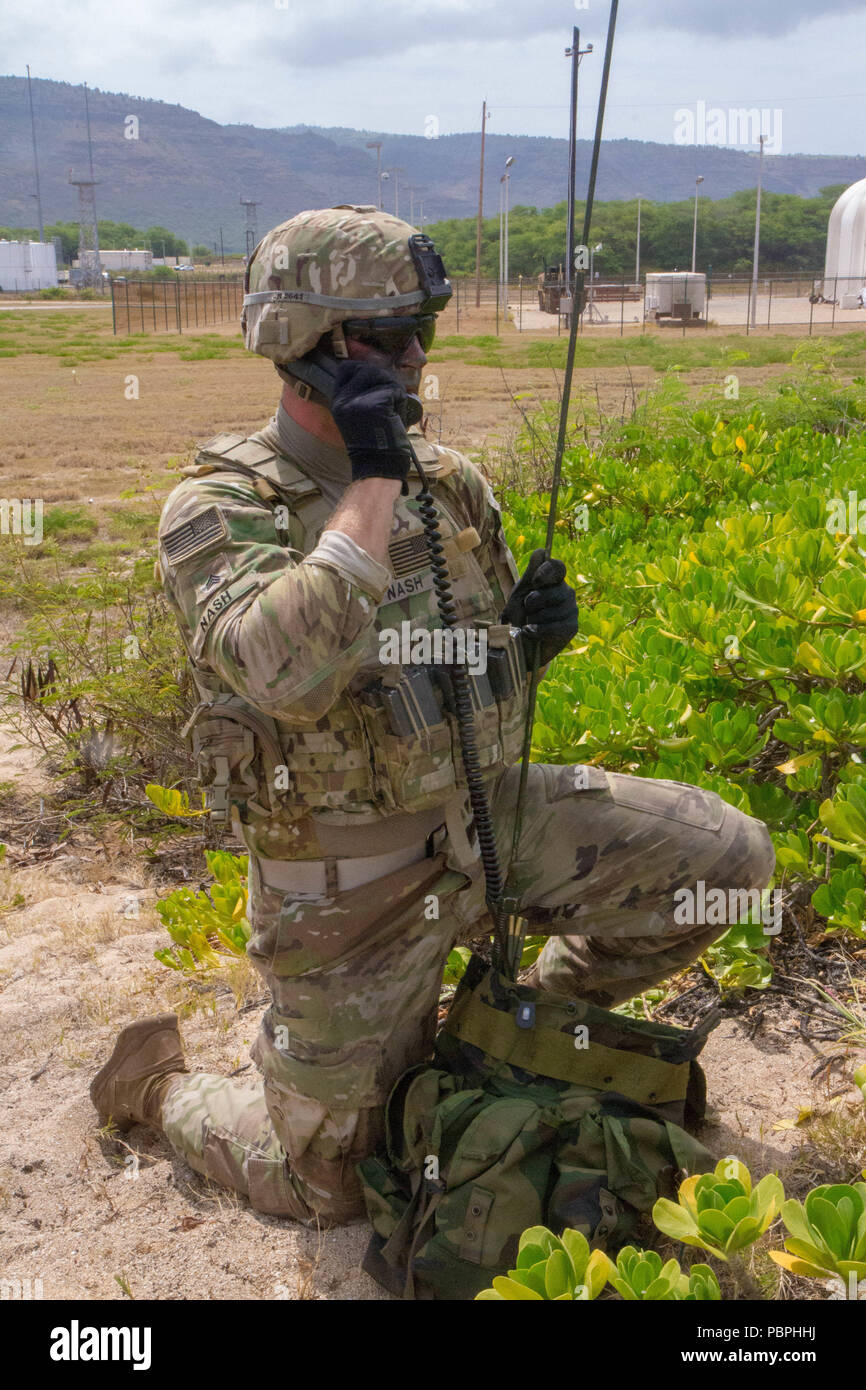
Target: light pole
637,252
412,191
396,170
508,163
754,313
698,181
575,53
377,146
598,247
499,276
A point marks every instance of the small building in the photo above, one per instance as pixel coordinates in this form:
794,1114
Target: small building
127,259
845,263
680,295
27,265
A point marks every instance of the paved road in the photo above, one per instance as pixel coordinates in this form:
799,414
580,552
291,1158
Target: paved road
6,305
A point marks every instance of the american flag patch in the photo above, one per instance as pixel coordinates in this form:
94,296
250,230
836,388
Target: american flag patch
409,554
193,536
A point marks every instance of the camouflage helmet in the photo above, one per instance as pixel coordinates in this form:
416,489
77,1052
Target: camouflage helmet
324,266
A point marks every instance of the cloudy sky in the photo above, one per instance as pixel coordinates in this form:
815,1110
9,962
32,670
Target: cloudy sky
390,66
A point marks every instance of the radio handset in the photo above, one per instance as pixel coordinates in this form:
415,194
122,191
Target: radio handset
319,370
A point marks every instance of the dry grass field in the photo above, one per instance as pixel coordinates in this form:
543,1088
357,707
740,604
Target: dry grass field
97,427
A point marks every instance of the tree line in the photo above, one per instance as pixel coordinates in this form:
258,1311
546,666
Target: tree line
793,236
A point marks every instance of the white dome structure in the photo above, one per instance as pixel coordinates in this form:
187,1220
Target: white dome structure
845,266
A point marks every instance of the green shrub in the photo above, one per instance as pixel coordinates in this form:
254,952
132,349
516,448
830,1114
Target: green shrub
551,1268
720,1212
827,1235
209,924
69,523
100,681
723,625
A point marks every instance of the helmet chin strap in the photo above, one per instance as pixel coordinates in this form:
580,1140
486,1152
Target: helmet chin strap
311,377
303,389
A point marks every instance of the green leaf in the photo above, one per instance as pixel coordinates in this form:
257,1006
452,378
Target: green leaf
673,1221
171,802
715,1225
513,1292
558,1275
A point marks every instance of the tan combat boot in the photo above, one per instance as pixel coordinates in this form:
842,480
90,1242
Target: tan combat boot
131,1087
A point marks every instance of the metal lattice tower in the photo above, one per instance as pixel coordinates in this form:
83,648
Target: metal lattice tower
88,228
88,233
252,232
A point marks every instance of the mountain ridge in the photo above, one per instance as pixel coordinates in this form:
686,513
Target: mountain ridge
187,171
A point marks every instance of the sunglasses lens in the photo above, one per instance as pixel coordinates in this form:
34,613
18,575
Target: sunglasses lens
426,333
396,337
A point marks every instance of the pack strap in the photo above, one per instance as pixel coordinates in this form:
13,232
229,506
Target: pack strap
647,1080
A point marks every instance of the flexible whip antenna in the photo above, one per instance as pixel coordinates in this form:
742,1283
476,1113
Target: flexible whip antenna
508,926
511,927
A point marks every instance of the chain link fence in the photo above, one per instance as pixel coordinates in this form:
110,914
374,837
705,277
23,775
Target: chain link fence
725,302
617,306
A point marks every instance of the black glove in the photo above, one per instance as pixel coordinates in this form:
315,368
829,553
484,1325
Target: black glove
366,406
544,607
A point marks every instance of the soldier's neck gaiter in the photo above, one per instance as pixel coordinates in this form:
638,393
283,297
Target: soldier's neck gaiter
328,464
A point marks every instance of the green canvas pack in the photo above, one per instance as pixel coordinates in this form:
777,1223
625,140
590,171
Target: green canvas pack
537,1110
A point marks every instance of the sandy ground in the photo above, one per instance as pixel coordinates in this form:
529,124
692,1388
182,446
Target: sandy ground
83,1212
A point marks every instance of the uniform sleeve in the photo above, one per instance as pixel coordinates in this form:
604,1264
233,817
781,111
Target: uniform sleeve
285,632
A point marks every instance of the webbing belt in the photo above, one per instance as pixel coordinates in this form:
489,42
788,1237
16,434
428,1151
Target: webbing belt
647,1080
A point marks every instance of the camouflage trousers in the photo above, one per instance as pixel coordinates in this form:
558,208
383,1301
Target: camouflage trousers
355,977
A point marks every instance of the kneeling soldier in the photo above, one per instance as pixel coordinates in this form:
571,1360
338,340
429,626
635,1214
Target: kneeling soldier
294,560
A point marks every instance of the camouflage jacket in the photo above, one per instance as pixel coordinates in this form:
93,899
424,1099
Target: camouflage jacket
285,649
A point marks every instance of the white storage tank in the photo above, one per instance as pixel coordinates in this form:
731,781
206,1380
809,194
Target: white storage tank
27,265
845,264
676,294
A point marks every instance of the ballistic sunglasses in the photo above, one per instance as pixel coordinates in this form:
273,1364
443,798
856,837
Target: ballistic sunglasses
393,336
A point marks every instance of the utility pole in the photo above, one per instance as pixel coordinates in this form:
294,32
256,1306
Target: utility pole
637,252
754,313
480,210
35,157
377,146
222,252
